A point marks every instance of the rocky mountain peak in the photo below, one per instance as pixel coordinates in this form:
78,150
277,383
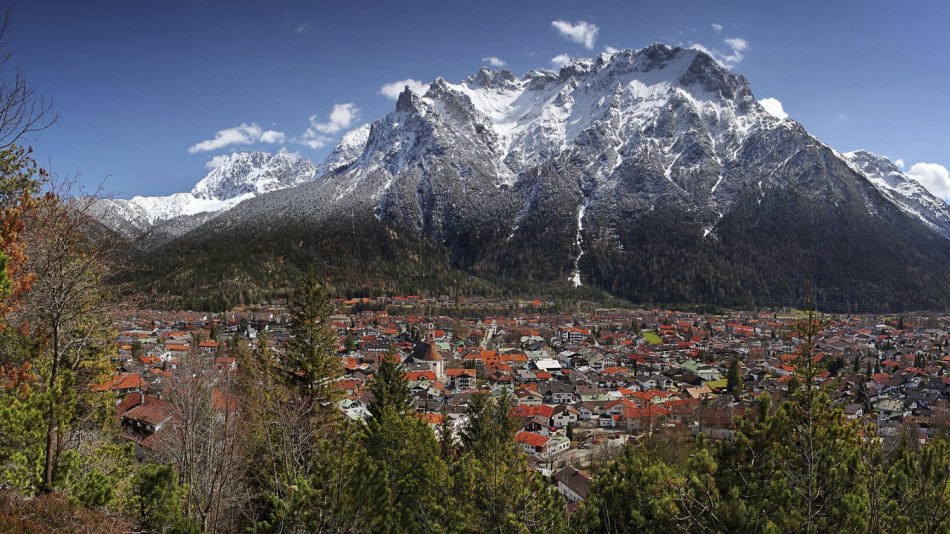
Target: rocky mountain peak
873,164
407,102
486,77
253,172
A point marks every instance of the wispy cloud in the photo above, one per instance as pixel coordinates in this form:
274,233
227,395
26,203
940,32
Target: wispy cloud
580,32
737,44
611,50
494,61
392,90
717,27
560,60
216,161
774,107
302,27
245,134
732,56
341,117
272,136
934,176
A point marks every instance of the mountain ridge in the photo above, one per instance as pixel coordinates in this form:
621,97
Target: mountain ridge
560,177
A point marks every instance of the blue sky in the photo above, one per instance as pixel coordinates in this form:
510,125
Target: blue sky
138,83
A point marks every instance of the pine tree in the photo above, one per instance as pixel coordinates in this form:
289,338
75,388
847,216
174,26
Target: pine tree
919,480
311,354
405,456
494,488
734,379
389,388
309,457
635,493
157,500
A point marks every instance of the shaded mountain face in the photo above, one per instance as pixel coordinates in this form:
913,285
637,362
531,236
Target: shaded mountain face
652,174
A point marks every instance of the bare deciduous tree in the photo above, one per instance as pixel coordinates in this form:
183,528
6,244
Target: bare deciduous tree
67,312
22,110
205,443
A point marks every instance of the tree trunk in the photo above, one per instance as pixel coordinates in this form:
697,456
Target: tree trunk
51,430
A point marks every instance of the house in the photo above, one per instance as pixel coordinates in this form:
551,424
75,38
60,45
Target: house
606,420
564,416
557,392
572,484
573,335
533,443
590,410
544,447
208,346
426,354
143,417
123,384
461,379
854,411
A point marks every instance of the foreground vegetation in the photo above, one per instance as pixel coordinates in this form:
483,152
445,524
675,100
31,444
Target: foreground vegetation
266,448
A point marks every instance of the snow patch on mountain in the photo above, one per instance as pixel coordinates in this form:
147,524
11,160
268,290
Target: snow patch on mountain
902,190
239,177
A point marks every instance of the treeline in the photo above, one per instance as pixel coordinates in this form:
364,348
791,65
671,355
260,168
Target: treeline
800,467
756,257
763,255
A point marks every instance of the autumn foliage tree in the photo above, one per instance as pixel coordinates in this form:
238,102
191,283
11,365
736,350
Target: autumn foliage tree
55,342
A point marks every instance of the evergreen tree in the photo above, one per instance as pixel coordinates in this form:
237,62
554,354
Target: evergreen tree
633,494
919,482
311,354
157,500
734,380
409,473
388,388
309,457
494,488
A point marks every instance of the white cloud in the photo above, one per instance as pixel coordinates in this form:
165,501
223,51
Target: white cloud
934,176
774,107
899,163
245,134
302,27
341,117
318,134
273,136
580,32
216,161
717,28
494,61
314,140
737,44
392,90
611,50
729,58
560,60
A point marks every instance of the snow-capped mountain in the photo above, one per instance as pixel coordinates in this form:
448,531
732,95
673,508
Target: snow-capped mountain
239,177
652,174
903,190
